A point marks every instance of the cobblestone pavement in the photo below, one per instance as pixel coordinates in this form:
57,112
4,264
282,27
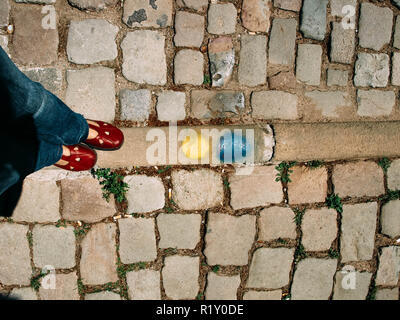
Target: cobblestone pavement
324,230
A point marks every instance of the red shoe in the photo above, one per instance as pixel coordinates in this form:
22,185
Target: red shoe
81,158
109,137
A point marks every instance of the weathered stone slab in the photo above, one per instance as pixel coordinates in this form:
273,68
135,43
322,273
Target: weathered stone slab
102,296
396,69
4,43
291,5
396,40
358,231
197,190
180,277
308,66
313,19
372,70
144,285
319,229
308,185
171,106
180,231
393,175
273,104
4,13
256,15
387,294
144,13
375,103
375,26
270,268
15,267
263,295
342,44
189,29
91,40
53,246
338,7
257,189
275,223
222,18
222,287
66,288
229,239
389,267
390,218
343,285
253,60
189,67
283,80
33,44
91,92
329,102
98,253
337,77
91,4
49,78
222,59
282,41
83,200
199,5
137,240
23,294
313,279
135,104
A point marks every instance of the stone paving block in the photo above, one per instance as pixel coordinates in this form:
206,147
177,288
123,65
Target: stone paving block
145,193
358,179
197,190
99,255
313,279
396,37
389,267
387,294
343,287
54,246
253,60
4,13
358,231
180,277
337,77
66,288
180,231
313,19
83,200
91,40
273,104
393,175
15,267
342,44
308,65
396,69
308,185
49,78
256,15
291,5
33,44
189,67
144,60
257,189
137,240
36,1
91,4
222,18
222,59
375,103
4,43
144,285
390,218
91,92
105,295
189,29
375,26
283,80
39,201
208,104
222,287
23,294
282,41
372,70
263,295
144,13
338,5
275,223
135,104
270,268
199,5
319,229
229,239
329,102
171,106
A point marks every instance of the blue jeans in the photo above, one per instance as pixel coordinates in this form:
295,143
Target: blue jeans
25,106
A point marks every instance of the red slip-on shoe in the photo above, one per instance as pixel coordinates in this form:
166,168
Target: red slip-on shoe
81,158
109,138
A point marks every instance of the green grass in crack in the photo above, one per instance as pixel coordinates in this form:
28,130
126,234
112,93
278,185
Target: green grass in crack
298,216
384,163
390,195
207,79
112,183
300,253
35,281
82,230
334,254
334,202
284,171
314,164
